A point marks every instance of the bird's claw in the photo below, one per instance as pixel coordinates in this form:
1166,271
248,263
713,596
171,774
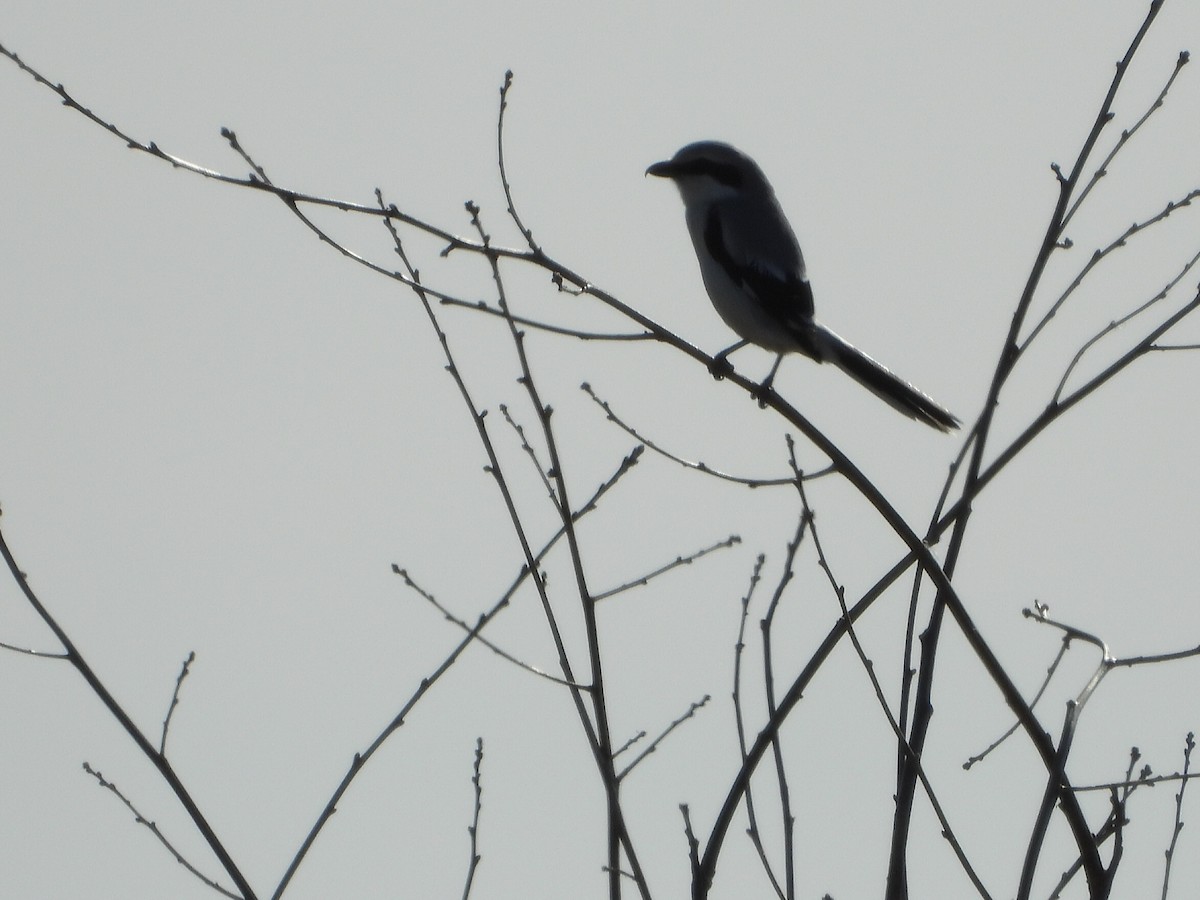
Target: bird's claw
762,392
720,367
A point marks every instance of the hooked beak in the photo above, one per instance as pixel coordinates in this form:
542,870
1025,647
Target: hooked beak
662,169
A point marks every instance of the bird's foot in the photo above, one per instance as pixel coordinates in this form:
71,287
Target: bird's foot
764,390
720,367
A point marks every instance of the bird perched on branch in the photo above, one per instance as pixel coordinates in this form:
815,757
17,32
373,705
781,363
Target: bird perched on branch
754,273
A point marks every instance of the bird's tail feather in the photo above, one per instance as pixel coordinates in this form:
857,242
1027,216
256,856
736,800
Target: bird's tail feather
880,381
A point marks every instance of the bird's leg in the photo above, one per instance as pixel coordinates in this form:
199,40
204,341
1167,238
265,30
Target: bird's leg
720,366
761,391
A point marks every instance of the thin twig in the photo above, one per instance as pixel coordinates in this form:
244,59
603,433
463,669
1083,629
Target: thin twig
473,828
1148,781
1099,255
752,829
464,626
1149,659
360,759
1122,320
697,465
1063,646
29,651
1037,835
183,673
625,466
157,832
643,580
482,306
530,452
1189,744
788,820
158,760
690,834
628,744
1128,133
654,744
512,207
1113,824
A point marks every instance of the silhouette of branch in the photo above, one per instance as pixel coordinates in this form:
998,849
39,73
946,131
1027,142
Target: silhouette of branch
1125,137
157,759
686,463
450,617
752,829
1189,745
183,673
473,828
654,744
787,818
153,828
482,306
643,580
1099,255
1122,320
1050,670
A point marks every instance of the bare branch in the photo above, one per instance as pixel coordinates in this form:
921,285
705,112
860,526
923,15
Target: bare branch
29,651
531,453
690,834
752,830
1169,656
473,828
629,743
686,463
1050,670
154,830
503,654
788,819
1113,825
1147,781
512,207
643,580
183,673
483,307
361,759
1099,255
1168,347
1117,323
1126,135
76,659
653,745
1189,745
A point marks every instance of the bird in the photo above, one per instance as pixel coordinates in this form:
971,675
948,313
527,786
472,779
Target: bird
753,270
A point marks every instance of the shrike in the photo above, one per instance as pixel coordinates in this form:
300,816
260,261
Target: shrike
754,272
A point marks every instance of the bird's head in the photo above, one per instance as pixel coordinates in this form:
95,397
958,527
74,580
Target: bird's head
710,170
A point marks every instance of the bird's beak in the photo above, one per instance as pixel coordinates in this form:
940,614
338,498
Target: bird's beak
662,169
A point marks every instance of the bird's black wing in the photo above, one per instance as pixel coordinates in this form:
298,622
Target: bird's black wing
787,297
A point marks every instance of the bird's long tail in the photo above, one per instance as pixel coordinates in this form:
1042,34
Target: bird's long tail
880,381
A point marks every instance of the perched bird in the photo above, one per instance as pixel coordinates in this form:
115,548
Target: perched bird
754,273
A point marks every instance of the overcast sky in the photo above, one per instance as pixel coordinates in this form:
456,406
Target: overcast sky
218,435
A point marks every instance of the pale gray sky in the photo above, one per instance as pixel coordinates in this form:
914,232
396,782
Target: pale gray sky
219,435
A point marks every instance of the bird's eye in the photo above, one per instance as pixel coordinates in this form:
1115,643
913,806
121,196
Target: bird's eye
726,174
722,173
